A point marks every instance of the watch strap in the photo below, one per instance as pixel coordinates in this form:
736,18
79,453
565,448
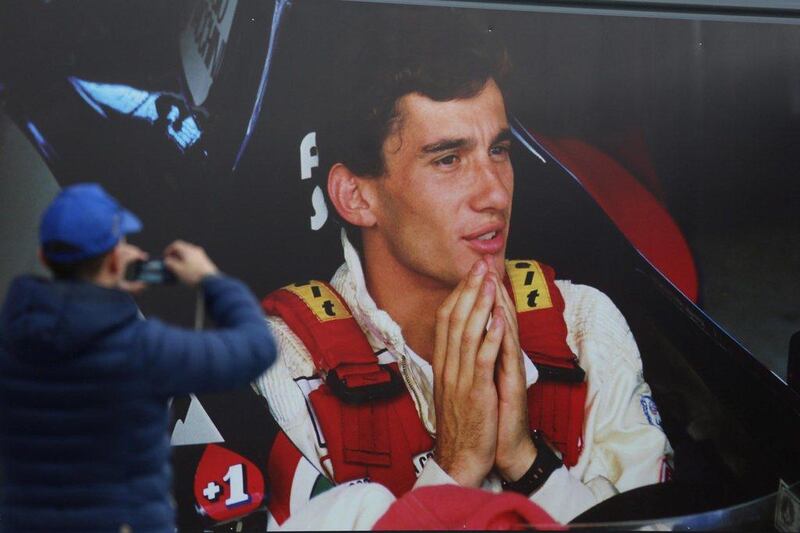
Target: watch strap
546,463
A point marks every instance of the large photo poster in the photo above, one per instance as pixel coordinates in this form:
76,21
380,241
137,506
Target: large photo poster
627,175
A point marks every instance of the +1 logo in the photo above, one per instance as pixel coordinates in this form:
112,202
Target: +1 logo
212,491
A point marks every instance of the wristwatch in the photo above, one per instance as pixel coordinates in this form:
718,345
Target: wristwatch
546,463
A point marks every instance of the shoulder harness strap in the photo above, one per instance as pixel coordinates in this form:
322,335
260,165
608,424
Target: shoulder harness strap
369,421
556,402
340,350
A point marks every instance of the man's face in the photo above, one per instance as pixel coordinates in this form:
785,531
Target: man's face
445,199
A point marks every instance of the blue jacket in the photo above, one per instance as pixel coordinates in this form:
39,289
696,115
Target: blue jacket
84,385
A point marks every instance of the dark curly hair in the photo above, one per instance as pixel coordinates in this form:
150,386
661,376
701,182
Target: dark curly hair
440,54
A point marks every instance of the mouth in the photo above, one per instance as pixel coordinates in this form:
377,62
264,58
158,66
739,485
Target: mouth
487,240
487,236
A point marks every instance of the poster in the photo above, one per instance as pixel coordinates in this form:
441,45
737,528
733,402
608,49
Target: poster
219,129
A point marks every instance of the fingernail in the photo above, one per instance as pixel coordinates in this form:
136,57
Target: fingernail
479,268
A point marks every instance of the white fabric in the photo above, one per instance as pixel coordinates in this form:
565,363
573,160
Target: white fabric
353,507
623,445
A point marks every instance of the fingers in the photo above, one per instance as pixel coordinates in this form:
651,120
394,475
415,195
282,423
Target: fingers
188,262
511,351
487,354
137,254
475,330
508,308
129,252
178,248
442,325
172,263
461,311
511,359
464,358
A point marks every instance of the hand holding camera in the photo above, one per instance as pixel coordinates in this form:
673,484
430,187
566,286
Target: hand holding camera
188,262
182,262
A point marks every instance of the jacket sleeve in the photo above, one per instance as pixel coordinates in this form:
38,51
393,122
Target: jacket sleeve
624,445
181,361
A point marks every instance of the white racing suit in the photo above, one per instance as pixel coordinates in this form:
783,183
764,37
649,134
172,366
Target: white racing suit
624,446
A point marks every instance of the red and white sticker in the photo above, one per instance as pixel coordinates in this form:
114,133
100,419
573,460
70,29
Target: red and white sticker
226,485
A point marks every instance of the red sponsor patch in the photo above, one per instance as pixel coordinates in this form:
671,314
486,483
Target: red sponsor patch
226,485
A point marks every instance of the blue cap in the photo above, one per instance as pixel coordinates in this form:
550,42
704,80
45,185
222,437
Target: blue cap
84,221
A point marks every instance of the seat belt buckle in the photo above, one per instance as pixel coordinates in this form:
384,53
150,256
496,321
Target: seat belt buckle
560,374
355,384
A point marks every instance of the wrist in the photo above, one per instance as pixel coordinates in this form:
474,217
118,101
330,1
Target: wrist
522,459
539,472
209,274
465,476
201,282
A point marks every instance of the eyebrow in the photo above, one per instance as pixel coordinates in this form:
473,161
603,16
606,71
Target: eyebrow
444,145
504,135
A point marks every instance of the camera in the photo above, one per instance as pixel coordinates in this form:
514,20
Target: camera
152,272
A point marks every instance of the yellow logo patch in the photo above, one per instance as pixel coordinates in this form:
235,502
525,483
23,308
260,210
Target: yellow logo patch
530,287
320,299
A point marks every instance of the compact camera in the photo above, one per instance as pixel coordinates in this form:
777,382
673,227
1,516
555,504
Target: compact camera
152,272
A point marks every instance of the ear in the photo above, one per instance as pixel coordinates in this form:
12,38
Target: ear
113,262
352,196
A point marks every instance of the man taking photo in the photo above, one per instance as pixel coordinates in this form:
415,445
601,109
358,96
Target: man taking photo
85,382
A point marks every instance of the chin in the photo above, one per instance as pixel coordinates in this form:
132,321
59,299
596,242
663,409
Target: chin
499,260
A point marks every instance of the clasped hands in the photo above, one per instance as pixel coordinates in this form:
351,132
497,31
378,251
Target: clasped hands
479,382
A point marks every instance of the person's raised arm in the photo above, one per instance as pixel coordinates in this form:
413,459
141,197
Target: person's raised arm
180,361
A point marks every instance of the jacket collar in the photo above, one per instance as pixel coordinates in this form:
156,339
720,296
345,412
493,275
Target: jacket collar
349,281
382,331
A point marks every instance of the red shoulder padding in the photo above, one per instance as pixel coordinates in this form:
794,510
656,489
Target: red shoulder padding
557,409
556,402
543,332
378,441
331,343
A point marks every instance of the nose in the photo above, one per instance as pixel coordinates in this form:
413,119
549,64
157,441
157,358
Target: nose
494,184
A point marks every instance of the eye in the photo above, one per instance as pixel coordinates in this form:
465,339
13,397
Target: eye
446,161
500,151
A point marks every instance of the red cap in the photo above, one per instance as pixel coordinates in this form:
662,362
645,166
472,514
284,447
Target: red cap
455,507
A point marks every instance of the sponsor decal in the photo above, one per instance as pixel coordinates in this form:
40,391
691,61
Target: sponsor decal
420,460
320,215
309,160
309,157
227,485
650,410
196,427
529,285
320,299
